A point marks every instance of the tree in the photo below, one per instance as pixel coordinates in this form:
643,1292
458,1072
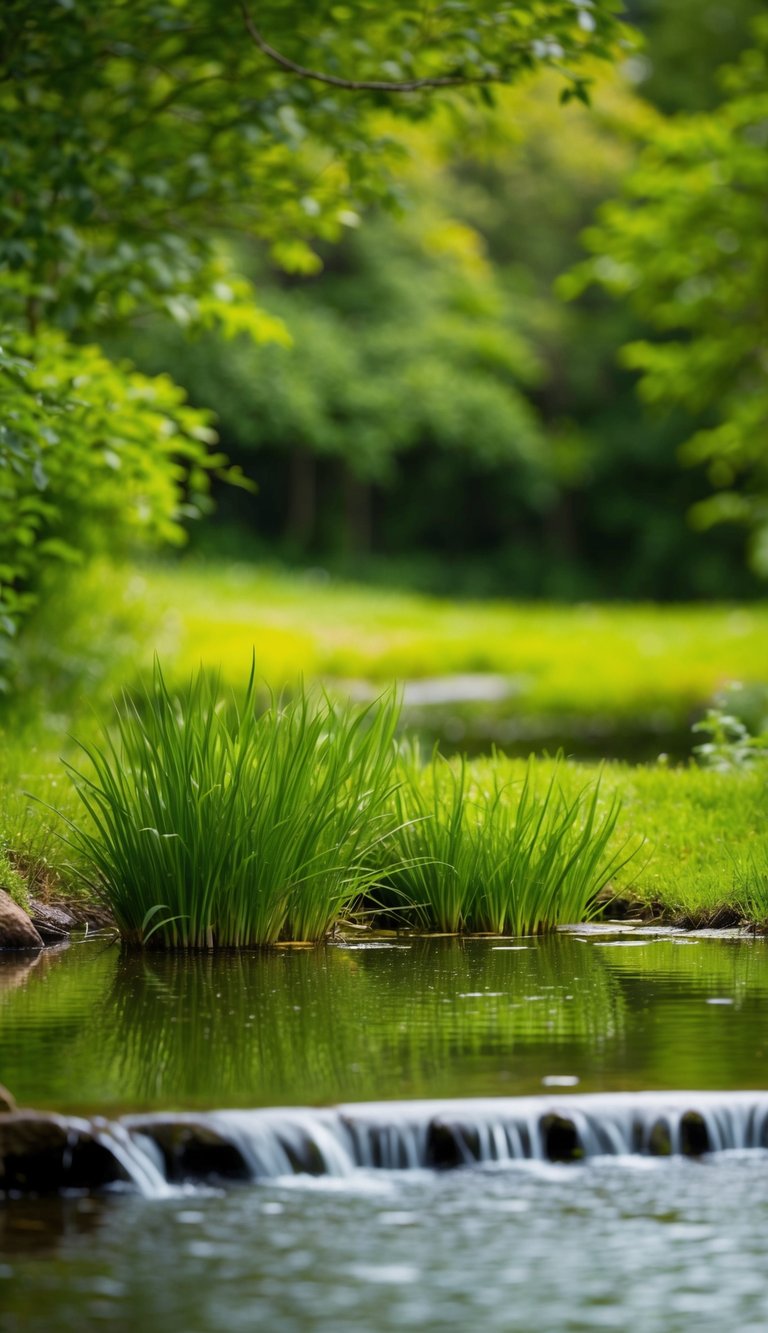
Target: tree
134,132
687,245
134,135
438,400
405,343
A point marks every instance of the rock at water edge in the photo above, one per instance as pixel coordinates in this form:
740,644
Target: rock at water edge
16,929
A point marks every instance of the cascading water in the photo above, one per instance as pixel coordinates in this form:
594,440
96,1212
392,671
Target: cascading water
154,1153
412,1135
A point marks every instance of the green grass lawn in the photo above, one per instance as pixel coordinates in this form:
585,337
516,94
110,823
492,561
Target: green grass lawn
704,835
705,852
615,661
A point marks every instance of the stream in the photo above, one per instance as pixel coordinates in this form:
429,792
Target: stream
418,1133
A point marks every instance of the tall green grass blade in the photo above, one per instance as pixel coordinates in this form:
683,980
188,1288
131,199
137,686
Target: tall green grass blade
499,859
248,826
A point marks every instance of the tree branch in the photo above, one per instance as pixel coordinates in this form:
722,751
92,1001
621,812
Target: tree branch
360,85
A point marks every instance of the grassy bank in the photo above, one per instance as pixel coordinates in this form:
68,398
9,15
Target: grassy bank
704,858
704,854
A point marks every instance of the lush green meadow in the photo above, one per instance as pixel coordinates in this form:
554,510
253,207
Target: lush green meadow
703,858
623,663
698,836
616,659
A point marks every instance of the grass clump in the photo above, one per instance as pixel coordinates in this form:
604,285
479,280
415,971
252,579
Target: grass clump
503,857
215,824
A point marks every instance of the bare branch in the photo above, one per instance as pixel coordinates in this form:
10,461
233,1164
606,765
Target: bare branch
360,85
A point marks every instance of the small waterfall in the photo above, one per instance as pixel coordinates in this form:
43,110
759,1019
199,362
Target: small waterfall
403,1136
154,1154
289,1141
137,1155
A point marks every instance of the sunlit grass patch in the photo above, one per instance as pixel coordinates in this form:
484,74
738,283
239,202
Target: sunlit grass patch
612,661
595,679
702,831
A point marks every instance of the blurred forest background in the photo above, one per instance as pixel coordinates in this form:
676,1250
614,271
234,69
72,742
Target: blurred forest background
506,341
442,417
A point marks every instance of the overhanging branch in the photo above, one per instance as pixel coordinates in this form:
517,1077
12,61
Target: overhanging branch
360,85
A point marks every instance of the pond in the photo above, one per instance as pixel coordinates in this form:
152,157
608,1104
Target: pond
618,1240
474,714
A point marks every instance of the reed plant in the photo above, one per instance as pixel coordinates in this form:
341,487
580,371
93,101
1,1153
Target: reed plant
501,857
211,823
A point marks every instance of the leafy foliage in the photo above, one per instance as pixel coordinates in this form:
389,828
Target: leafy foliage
735,728
685,45
687,245
431,357
133,137
75,467
128,127
410,347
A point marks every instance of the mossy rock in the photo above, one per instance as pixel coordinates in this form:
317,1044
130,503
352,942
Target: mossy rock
46,1154
194,1151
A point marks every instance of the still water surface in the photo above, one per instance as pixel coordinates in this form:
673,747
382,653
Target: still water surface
93,1029
621,1244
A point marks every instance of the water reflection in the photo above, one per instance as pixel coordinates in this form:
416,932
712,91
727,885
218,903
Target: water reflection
679,1038
95,1028
337,1023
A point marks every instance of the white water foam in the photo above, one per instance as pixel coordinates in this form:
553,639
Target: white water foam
410,1136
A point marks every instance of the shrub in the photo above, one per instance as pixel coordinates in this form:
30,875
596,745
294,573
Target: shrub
735,727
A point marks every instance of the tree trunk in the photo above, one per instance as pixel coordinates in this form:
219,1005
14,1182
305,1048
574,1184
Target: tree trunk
358,519
302,503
